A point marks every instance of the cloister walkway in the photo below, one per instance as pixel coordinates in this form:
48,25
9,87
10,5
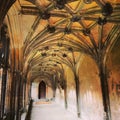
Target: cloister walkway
51,111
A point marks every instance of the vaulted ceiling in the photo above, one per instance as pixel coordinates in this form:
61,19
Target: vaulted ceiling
47,35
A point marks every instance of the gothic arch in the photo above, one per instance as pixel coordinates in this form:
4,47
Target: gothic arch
42,90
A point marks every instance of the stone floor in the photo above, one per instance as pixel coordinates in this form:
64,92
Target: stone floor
51,111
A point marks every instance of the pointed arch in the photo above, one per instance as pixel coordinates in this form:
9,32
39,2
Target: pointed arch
42,90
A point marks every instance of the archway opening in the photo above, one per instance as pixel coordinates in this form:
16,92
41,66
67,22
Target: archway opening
42,90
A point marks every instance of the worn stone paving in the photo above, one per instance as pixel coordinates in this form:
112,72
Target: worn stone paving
51,111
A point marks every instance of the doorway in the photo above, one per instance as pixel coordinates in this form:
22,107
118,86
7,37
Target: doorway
42,90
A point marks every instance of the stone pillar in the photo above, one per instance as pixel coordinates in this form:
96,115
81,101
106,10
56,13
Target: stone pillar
105,91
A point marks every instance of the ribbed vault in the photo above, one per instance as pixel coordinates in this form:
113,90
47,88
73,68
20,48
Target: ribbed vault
49,35
68,26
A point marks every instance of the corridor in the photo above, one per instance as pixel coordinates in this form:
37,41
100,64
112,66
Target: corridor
58,54
51,111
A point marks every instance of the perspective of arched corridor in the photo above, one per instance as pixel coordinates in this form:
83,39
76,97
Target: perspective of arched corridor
59,59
